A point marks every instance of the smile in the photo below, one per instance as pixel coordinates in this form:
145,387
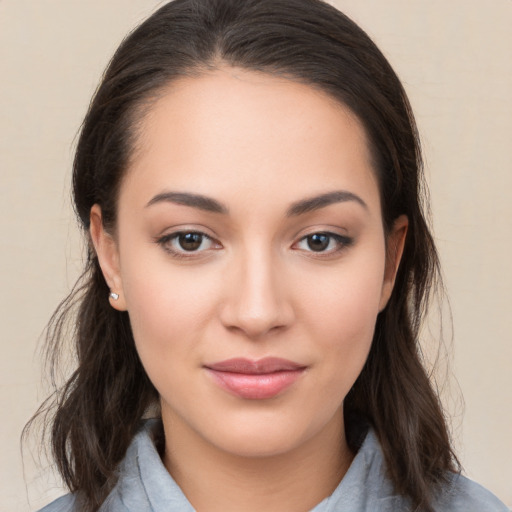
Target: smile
255,380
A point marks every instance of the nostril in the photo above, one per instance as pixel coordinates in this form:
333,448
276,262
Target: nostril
255,328
256,324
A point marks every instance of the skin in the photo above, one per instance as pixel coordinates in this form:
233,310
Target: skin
257,144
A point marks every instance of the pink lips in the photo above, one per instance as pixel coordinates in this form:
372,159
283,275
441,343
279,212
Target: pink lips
255,380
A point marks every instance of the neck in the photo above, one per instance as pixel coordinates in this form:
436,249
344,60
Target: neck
214,480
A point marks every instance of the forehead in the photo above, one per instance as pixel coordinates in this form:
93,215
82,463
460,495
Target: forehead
234,132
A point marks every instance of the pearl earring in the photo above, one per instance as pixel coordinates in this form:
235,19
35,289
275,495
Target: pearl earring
114,296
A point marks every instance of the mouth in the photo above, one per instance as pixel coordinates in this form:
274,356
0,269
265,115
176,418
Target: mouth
255,380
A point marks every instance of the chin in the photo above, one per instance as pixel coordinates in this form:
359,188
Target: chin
264,435
251,444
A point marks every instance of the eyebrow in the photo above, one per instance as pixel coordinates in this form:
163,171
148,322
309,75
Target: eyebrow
323,200
187,199
298,208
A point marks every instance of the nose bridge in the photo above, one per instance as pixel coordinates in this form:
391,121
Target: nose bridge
257,300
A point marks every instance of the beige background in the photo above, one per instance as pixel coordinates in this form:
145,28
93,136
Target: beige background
455,60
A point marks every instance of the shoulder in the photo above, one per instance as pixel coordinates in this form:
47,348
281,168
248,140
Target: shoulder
142,482
368,471
465,495
65,503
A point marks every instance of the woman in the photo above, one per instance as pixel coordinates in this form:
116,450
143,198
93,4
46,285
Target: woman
249,178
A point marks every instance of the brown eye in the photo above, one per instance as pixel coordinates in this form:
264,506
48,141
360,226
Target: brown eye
187,243
190,241
318,242
324,243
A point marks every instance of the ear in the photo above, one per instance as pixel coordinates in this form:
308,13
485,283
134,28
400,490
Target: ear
108,257
394,249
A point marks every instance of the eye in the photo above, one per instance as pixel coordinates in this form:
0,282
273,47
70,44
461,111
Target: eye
183,242
323,242
190,241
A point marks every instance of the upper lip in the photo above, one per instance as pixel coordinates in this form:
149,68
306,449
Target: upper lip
251,367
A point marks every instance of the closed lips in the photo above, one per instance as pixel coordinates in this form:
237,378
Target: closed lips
262,366
255,380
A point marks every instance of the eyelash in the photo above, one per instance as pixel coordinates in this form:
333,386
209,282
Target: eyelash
166,242
341,242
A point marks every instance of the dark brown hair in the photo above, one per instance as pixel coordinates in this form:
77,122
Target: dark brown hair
95,415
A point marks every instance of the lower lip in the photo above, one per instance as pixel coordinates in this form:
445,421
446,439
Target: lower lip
256,386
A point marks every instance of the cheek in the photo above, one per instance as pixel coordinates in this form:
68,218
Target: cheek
346,299
342,310
169,307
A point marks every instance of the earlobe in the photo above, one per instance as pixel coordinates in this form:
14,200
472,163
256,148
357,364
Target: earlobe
108,257
394,249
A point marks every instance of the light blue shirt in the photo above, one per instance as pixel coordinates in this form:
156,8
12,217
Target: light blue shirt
145,485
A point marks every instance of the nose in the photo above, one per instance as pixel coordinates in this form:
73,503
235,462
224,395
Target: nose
256,301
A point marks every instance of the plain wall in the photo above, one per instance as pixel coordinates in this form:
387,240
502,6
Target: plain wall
455,61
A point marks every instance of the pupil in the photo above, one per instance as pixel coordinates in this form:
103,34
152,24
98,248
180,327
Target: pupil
318,242
190,241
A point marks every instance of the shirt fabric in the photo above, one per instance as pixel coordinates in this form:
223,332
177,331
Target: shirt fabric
145,485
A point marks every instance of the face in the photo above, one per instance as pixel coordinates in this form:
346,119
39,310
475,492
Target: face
251,258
